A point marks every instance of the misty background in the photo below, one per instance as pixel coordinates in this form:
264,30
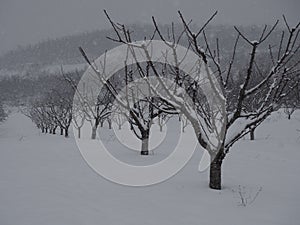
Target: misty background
25,22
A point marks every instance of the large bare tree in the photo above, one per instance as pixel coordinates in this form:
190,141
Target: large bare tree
278,77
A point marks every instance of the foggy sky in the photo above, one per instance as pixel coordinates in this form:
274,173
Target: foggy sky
29,21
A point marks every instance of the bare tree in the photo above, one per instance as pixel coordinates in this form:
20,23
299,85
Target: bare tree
275,84
139,104
292,102
53,109
40,114
118,116
59,108
95,109
162,120
79,118
101,110
264,93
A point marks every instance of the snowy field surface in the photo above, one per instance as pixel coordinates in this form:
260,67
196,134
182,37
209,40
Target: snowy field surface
45,181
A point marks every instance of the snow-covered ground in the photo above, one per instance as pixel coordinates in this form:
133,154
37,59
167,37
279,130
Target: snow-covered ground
44,180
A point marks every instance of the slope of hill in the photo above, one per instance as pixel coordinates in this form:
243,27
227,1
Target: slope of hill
64,50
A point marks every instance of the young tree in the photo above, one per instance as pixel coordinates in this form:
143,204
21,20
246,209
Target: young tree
96,108
79,117
162,120
101,111
118,116
292,102
140,106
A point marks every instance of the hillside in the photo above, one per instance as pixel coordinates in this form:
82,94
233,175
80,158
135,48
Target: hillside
50,54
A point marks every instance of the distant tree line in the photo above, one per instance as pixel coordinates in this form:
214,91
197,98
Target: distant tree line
51,109
64,50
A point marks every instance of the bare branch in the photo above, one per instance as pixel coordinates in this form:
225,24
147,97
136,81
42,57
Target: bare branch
286,23
262,39
243,36
232,60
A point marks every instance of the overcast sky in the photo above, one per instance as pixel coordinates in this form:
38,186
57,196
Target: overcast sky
29,21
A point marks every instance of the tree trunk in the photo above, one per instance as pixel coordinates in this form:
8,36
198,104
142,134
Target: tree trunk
160,128
94,129
145,143
79,132
109,124
94,132
252,136
54,130
61,131
67,132
215,173
120,127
